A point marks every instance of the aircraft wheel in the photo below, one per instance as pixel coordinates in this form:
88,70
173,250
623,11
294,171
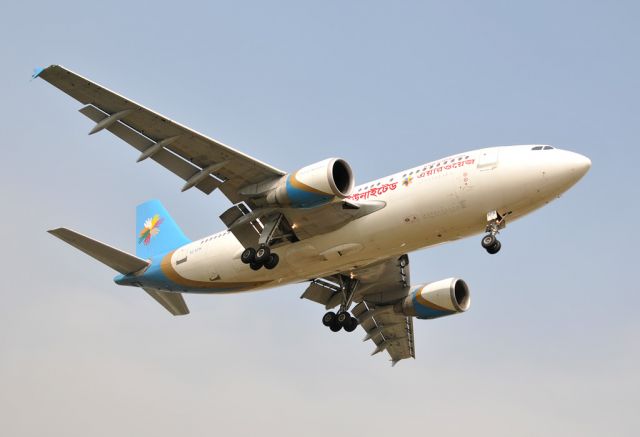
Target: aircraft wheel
328,318
344,319
352,325
248,255
255,266
488,241
262,254
335,326
272,261
404,260
495,248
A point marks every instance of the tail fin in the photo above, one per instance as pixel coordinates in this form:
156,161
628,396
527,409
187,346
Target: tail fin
156,232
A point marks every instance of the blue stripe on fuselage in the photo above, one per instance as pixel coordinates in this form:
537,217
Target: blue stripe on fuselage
155,278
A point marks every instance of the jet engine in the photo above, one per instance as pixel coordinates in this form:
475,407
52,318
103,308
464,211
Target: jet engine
437,299
313,185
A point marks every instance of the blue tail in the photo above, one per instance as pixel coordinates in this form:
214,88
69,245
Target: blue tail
156,232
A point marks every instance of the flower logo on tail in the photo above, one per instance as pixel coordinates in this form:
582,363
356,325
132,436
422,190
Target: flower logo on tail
151,229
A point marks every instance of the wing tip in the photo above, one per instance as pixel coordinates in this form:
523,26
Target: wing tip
56,231
37,71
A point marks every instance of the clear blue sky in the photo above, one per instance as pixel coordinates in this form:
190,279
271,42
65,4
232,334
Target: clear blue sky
550,345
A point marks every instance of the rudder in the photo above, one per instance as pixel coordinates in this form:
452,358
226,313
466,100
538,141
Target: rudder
156,231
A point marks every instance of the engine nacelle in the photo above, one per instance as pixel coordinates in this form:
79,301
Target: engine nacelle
313,185
437,299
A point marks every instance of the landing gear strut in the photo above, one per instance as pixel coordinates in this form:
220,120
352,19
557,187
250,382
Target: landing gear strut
343,319
489,242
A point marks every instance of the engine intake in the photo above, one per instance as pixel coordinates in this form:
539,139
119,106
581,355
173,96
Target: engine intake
437,299
313,185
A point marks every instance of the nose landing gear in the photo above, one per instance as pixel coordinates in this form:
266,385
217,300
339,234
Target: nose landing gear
343,319
489,242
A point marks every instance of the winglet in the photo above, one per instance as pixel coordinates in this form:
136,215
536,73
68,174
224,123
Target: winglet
37,71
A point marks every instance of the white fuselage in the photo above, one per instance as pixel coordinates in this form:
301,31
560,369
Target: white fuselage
429,204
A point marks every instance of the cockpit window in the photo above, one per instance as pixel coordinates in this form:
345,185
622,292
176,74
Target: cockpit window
536,148
547,148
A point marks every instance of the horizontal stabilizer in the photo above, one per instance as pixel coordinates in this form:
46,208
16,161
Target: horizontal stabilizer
173,302
114,258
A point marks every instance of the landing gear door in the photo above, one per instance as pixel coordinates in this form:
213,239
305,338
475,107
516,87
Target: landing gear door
488,159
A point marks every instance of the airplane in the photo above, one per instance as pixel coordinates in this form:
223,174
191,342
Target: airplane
348,243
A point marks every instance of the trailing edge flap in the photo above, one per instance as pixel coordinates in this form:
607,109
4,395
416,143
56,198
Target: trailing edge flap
114,258
173,302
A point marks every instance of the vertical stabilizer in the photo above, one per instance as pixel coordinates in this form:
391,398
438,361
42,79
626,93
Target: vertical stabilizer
156,232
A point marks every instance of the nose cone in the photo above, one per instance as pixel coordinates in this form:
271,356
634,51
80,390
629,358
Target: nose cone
564,169
577,165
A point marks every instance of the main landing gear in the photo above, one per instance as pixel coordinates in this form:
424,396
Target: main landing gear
343,319
262,256
489,242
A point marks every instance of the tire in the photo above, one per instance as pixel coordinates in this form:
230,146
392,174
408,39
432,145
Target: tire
344,319
335,326
248,255
272,261
262,254
495,248
328,318
255,266
488,241
352,325
404,261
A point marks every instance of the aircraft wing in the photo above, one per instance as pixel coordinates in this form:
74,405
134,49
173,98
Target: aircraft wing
381,285
201,161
